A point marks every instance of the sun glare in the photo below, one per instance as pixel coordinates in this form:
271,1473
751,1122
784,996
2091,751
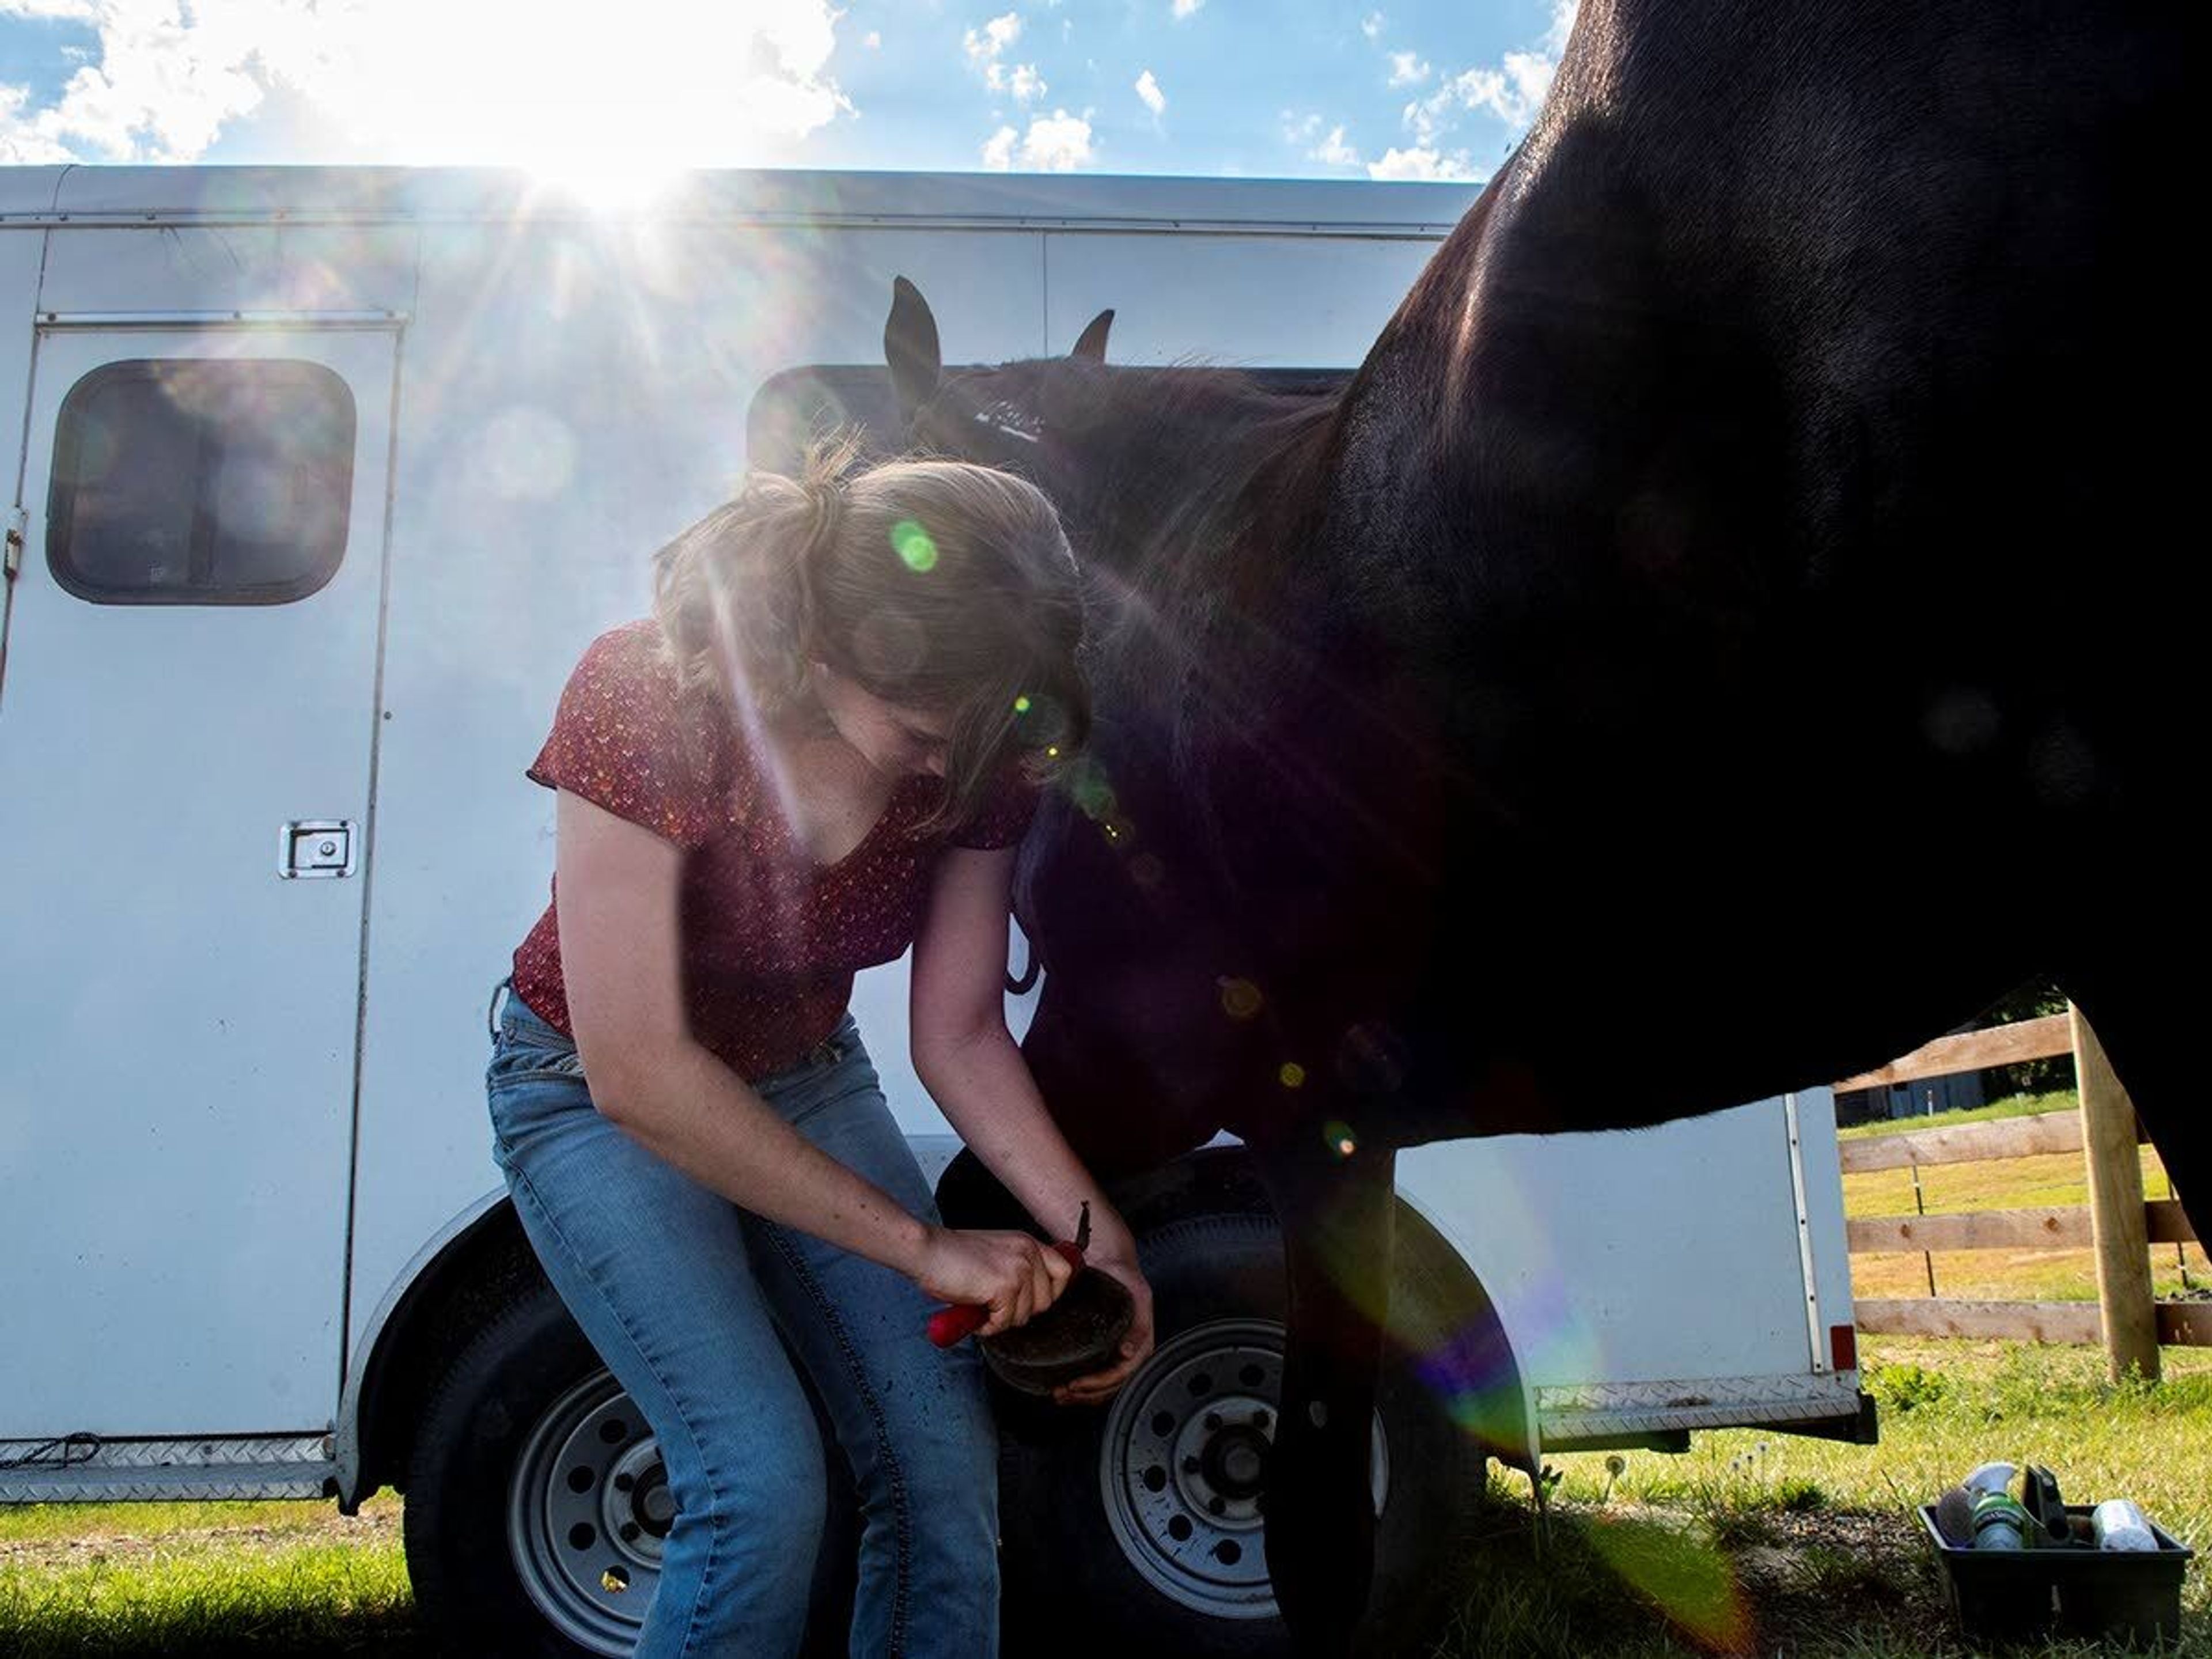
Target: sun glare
611,116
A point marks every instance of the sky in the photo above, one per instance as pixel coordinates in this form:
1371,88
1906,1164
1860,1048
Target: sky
606,98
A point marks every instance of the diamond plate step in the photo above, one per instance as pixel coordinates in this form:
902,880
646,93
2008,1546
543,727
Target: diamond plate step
88,1470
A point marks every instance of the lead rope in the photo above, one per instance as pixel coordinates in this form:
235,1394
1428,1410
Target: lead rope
73,1449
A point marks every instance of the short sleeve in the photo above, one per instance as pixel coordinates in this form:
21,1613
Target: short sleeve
1004,818
618,741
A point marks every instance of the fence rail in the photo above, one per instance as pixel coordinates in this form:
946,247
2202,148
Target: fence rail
2180,1324
2118,1223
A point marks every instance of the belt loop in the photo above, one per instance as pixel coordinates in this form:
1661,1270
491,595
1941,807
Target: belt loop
491,1013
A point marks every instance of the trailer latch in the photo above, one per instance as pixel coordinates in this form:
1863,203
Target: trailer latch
315,847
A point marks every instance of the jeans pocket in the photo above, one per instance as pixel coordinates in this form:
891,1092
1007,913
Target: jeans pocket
513,1061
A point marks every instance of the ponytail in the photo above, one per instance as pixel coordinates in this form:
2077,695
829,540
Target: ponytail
768,546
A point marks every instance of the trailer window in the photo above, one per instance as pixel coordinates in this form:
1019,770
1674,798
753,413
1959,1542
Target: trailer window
201,480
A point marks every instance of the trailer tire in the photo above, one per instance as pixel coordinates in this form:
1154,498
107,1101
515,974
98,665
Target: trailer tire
1111,1543
489,1488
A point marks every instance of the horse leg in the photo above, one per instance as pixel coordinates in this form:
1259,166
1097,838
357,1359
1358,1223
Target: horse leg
1335,1214
2142,1014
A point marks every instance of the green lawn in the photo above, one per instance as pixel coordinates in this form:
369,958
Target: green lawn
2053,1180
204,1579
2064,1100
1752,1543
1755,1542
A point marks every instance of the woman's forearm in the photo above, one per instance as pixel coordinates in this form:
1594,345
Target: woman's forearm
692,1111
984,1087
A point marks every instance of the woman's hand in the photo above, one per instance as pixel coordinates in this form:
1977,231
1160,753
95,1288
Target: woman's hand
1114,1251
1010,1273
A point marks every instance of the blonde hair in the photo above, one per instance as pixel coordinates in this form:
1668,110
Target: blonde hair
938,585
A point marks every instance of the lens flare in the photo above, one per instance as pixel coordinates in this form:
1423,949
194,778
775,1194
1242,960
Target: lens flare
1336,1135
1293,1075
1240,997
1685,1578
913,543
1094,796
1022,704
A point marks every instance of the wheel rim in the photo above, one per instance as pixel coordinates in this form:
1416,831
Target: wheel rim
1182,1467
586,1512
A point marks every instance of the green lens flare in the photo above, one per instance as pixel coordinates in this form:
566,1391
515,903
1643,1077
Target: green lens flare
912,543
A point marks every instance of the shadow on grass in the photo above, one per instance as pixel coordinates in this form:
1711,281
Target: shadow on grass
1645,1582
361,1635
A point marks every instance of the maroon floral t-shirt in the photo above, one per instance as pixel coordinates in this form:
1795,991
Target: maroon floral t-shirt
770,939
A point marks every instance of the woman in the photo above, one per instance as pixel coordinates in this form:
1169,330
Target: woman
823,745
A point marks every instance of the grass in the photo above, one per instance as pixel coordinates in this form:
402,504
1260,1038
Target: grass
140,1579
1757,1543
1751,1543
2063,1100
2052,1181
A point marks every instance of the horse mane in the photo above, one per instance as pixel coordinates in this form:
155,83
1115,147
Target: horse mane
1193,515
1217,431
1209,474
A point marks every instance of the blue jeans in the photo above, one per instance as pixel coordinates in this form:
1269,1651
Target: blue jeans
686,1295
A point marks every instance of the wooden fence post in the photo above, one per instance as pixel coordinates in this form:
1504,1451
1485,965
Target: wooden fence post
2117,1219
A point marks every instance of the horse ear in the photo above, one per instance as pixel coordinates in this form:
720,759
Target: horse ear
910,347
1093,342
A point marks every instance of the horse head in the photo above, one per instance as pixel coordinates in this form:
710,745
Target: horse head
1025,418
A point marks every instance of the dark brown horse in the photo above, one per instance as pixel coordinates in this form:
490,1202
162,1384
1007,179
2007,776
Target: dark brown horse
1483,747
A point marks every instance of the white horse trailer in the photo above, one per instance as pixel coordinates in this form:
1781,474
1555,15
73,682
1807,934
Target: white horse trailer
324,479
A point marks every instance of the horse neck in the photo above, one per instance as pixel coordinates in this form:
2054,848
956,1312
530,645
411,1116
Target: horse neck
1183,464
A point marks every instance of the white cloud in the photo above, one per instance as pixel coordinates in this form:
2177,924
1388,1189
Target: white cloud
1185,8
984,44
1305,134
1408,68
1148,90
1563,25
1333,150
1371,25
426,80
1511,93
1022,81
1421,163
1512,90
1058,142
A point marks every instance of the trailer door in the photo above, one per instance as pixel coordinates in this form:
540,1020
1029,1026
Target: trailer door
186,732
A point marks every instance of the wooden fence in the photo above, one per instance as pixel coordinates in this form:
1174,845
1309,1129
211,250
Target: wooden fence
2117,1223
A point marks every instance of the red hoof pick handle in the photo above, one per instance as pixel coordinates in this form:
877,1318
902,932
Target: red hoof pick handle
964,1319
